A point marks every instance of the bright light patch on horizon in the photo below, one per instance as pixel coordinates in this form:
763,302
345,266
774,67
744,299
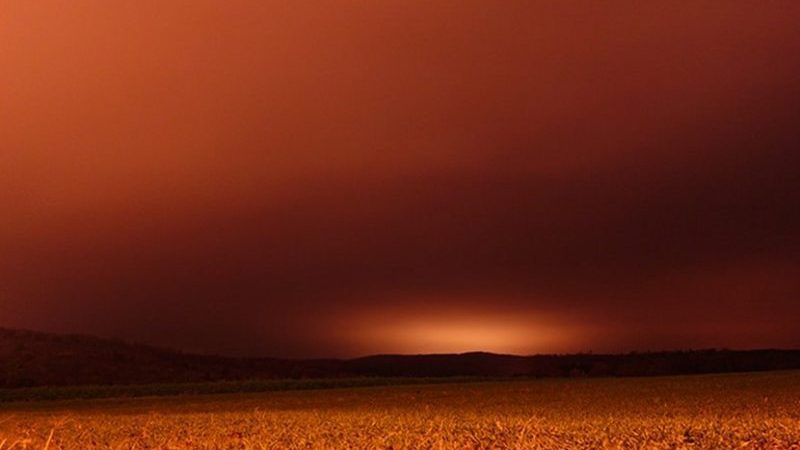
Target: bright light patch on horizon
462,332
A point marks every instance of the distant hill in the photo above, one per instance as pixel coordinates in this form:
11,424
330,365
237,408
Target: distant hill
29,358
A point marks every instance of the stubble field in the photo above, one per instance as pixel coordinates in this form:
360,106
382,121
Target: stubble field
698,412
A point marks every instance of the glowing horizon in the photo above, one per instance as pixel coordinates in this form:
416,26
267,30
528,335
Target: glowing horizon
309,179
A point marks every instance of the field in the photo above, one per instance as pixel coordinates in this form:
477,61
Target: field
760,410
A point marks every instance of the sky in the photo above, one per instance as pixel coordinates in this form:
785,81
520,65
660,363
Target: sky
342,178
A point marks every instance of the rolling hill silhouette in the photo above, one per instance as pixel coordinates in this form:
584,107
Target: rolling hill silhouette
29,358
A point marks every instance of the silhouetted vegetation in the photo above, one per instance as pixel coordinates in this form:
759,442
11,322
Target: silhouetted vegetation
31,359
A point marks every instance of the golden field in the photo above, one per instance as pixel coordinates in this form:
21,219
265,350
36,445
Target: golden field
759,410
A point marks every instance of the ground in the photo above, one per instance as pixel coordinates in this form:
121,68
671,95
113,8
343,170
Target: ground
759,410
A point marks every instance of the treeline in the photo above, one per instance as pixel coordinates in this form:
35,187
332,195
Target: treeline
29,359
578,365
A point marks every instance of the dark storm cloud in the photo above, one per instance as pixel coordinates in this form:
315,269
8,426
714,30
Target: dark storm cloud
628,175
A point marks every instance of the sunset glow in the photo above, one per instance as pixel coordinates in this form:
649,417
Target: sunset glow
339,178
451,331
453,336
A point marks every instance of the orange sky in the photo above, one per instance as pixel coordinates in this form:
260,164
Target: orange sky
341,178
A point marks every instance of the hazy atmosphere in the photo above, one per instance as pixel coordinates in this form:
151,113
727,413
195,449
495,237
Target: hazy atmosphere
316,179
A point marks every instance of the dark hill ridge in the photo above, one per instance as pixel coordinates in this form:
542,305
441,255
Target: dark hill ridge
29,358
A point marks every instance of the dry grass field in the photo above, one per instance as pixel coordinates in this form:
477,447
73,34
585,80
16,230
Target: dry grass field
699,412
